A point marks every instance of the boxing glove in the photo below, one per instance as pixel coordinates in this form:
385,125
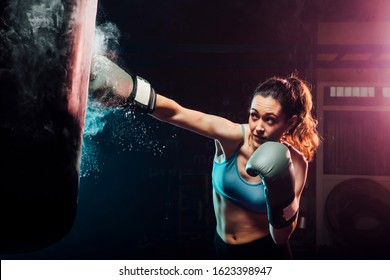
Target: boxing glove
272,162
113,86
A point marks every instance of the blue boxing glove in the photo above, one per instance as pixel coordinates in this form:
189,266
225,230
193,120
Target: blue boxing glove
272,162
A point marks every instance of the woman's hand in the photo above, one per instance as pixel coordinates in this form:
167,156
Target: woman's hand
112,86
109,84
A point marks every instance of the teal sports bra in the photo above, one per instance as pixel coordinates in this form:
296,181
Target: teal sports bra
228,182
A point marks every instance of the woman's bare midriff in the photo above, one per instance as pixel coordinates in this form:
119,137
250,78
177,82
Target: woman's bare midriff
236,225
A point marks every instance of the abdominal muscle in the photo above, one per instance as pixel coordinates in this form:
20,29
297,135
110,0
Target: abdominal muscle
236,225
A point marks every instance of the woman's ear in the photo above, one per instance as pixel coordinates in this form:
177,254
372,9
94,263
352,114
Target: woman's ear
292,122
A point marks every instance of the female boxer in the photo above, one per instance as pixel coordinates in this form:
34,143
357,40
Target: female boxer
260,167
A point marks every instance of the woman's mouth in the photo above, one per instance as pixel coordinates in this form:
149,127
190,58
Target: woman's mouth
259,139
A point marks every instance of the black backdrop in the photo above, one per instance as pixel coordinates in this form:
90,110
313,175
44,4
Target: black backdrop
147,195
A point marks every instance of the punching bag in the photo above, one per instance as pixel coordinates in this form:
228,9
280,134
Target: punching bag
45,56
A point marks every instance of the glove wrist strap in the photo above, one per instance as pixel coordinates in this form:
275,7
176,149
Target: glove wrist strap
142,95
283,215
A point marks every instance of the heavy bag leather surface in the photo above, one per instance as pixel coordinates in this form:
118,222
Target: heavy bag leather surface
45,55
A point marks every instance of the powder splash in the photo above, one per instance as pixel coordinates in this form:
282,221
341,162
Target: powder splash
127,130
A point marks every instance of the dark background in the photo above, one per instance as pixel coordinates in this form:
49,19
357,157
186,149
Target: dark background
154,201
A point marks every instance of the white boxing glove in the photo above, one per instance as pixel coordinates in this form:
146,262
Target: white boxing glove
112,86
272,162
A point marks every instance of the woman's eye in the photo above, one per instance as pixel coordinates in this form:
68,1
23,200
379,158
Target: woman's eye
270,120
254,116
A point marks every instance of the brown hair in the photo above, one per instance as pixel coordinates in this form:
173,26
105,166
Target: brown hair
295,98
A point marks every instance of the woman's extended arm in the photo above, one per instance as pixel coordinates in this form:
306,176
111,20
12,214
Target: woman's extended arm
112,86
211,126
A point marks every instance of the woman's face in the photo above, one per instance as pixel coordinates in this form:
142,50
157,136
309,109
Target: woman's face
267,122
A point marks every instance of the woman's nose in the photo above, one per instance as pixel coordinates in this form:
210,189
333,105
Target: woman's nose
260,126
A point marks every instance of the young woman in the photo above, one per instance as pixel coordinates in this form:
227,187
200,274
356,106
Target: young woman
260,167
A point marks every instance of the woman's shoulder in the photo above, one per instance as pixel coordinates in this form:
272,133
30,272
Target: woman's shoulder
297,157
232,144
